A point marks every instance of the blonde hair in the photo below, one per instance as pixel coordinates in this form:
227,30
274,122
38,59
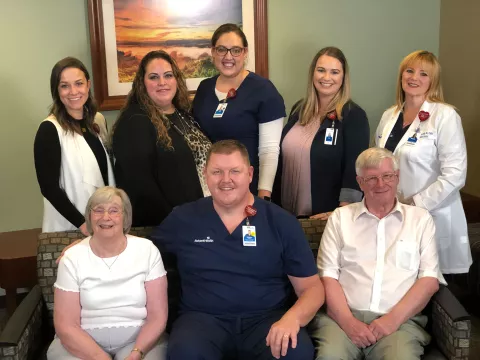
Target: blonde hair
431,65
227,147
373,157
309,107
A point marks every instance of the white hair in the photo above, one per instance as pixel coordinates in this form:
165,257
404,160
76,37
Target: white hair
373,157
105,195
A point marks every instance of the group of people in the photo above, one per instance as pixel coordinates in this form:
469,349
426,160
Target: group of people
224,158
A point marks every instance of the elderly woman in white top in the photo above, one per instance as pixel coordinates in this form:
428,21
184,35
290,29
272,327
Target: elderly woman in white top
111,289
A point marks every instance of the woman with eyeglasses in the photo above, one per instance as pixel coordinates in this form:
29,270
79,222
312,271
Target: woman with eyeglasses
427,137
241,105
111,289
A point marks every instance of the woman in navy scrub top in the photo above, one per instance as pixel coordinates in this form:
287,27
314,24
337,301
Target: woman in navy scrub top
254,112
325,133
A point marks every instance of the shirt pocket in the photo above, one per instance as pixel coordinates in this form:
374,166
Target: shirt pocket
407,256
424,150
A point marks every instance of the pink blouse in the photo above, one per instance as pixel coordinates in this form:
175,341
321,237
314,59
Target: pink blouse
296,180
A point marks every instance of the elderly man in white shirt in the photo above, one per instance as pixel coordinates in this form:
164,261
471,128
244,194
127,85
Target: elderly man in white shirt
379,265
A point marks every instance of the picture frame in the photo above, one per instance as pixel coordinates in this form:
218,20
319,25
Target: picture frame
98,45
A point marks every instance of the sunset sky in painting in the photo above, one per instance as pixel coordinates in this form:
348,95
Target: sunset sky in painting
157,21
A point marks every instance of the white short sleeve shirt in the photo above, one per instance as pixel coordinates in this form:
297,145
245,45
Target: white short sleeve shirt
376,261
115,295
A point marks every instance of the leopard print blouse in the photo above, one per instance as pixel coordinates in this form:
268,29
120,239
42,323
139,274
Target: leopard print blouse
197,141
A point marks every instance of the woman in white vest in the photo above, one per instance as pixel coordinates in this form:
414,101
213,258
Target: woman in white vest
426,135
70,156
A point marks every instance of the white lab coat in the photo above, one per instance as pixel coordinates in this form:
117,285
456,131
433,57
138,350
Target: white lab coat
432,172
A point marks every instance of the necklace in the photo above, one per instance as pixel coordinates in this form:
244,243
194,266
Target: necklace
184,123
181,121
110,266
114,258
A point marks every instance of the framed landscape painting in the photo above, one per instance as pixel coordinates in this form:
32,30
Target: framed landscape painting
123,31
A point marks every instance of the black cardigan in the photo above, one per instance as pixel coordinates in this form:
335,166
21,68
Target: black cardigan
155,179
332,166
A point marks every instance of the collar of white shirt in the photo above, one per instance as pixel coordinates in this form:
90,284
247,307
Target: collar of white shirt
362,209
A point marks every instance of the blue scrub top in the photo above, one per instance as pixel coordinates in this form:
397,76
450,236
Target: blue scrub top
257,101
221,276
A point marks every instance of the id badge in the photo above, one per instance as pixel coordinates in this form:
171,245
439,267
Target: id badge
329,134
249,236
220,110
412,140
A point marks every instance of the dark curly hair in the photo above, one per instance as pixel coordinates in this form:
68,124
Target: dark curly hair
139,95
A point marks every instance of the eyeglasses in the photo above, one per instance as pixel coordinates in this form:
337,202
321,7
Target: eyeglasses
235,51
373,180
112,212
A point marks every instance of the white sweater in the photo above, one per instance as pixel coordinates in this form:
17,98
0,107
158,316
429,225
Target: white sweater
110,297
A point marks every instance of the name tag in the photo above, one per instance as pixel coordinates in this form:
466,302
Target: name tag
427,135
249,236
412,140
330,137
220,110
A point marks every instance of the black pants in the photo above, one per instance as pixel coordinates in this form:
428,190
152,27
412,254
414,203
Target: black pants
200,336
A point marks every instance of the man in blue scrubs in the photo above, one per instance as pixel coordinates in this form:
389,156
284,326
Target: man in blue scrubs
236,291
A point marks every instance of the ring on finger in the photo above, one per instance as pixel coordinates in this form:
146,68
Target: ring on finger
286,335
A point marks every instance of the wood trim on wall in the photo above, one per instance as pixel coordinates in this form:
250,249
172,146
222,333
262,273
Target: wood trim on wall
97,48
261,38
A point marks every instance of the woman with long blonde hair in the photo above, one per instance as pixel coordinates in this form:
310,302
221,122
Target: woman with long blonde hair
159,150
325,133
427,137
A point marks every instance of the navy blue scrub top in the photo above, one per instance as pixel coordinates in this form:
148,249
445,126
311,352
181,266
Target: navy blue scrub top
218,274
257,101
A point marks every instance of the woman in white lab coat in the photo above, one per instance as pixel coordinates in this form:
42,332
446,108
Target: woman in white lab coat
426,135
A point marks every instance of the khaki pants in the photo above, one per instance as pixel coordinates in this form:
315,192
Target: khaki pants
332,343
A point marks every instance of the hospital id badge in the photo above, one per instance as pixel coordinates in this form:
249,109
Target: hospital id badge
412,140
220,110
330,132
249,236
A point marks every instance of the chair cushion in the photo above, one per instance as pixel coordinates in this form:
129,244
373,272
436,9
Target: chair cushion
434,354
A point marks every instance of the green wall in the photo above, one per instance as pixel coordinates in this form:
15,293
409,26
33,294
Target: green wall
35,35
374,34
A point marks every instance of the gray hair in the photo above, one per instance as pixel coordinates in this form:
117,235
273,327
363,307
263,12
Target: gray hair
105,195
372,158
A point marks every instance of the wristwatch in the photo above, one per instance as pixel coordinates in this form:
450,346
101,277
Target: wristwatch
267,198
142,355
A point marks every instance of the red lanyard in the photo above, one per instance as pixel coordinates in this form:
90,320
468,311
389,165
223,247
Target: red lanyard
250,211
231,94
